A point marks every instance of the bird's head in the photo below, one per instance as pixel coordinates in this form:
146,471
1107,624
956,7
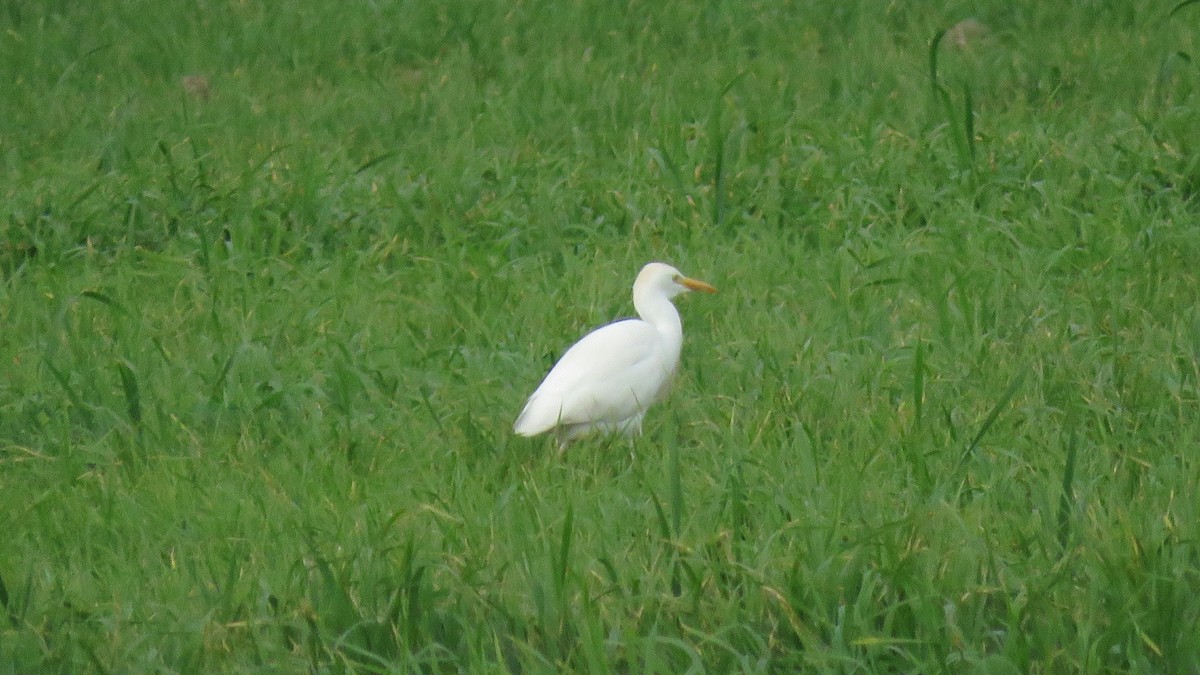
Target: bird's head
662,279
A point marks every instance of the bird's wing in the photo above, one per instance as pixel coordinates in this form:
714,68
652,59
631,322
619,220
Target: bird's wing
610,375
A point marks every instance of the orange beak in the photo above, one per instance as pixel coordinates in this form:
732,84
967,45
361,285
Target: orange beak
696,285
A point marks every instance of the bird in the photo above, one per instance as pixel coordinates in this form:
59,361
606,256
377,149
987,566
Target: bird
605,382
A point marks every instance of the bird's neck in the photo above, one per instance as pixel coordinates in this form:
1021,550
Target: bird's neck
661,313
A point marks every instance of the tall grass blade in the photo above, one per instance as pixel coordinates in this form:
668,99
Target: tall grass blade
1007,396
427,399
962,129
665,163
204,254
732,83
957,136
564,553
676,487
933,60
72,395
593,638
172,173
414,574
334,601
720,134
1068,493
969,123
1176,9
214,394
676,506
105,300
918,382
718,215
201,181
17,607
377,159
133,397
4,601
87,192
664,526
737,499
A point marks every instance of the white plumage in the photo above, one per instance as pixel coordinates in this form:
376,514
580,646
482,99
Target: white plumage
607,380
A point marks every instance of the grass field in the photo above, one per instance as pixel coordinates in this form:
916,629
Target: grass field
264,331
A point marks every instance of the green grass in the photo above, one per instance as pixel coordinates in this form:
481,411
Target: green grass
262,348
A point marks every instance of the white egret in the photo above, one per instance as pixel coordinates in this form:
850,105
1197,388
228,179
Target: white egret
607,380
